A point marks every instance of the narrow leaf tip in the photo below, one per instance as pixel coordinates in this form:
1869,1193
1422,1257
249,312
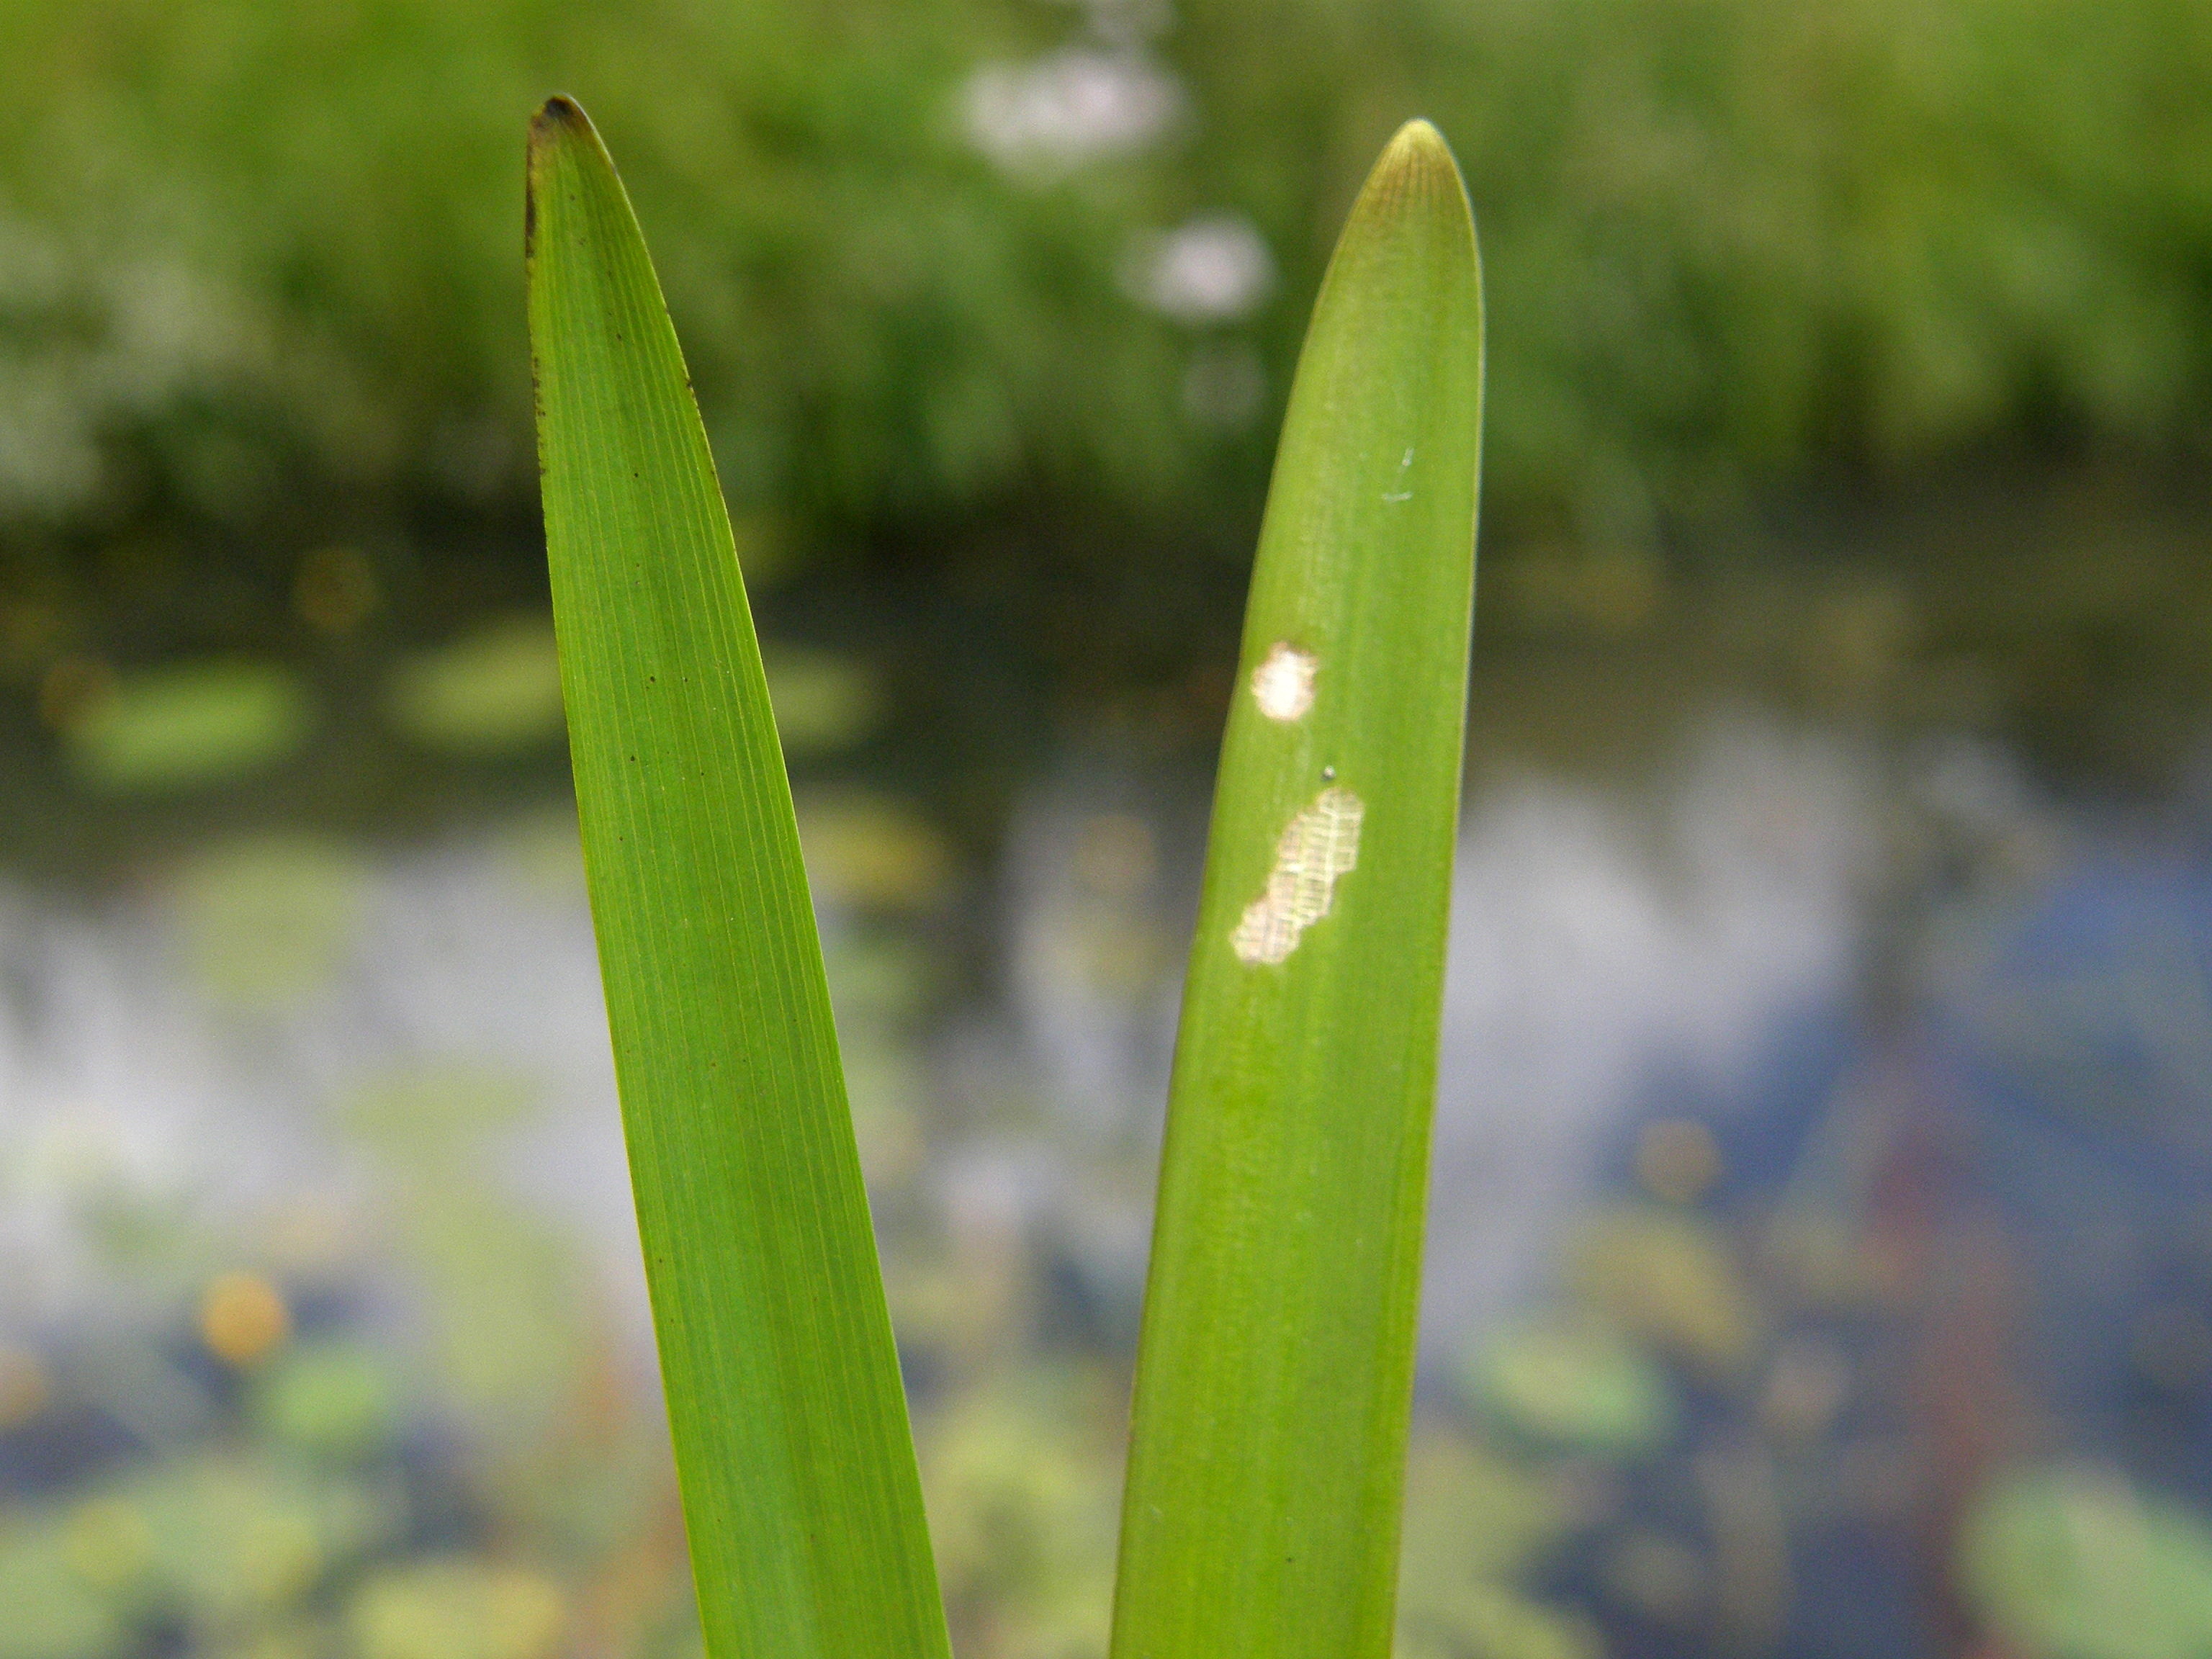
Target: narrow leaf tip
1417,163
558,113
558,118
1417,134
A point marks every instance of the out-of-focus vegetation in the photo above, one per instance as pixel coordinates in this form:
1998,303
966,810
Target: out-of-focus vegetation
966,280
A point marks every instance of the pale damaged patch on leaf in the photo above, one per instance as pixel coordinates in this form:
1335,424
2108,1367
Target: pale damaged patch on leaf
1321,845
1283,685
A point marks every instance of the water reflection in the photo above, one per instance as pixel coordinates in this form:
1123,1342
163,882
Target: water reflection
1821,1239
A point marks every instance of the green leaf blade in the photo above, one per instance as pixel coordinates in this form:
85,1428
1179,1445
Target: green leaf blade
789,1421
1274,1378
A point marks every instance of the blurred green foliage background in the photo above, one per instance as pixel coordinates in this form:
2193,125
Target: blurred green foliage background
260,288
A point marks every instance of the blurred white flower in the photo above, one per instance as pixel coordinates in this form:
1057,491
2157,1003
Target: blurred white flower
1078,106
1214,269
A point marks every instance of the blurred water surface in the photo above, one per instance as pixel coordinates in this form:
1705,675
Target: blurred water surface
1820,1239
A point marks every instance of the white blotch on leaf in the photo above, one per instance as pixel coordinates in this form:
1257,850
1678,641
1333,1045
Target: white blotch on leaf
1321,845
1283,685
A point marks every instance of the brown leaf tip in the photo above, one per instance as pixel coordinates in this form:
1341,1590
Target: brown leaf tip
559,113
556,116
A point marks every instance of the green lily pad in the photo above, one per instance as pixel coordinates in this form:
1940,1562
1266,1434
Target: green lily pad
1574,1383
227,1542
336,1400
420,1118
236,1539
496,691
823,700
268,920
193,725
1472,1512
499,1283
457,1609
1022,1510
1672,1280
872,853
2075,1563
51,1613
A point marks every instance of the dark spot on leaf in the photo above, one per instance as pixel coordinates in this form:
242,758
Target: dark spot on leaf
561,111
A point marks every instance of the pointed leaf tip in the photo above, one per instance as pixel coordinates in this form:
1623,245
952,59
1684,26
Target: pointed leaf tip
1285,1262
802,1504
557,113
1416,164
1418,134
559,120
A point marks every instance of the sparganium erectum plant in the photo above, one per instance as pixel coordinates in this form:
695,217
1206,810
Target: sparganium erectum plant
1275,1368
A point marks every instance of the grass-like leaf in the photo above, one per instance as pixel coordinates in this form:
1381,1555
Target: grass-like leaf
798,1471
1274,1379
